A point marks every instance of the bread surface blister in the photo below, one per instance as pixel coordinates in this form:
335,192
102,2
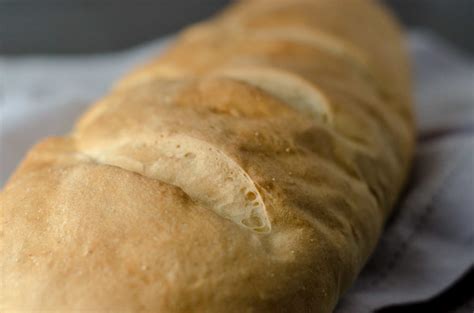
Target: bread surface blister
250,168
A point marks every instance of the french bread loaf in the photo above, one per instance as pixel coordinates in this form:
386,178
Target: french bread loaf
250,168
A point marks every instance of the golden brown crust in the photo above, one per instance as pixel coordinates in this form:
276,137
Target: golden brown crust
249,169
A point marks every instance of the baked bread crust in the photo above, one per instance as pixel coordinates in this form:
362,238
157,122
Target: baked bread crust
249,169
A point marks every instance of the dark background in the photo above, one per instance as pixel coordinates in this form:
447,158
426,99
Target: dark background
82,26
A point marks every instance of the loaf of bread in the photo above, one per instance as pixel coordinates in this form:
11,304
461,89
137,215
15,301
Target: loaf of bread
250,168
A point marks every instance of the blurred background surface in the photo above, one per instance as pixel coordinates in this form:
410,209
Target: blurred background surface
84,26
